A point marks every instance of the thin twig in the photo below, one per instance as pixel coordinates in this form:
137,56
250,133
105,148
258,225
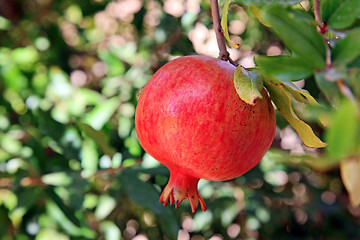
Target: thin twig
321,27
344,89
317,14
223,53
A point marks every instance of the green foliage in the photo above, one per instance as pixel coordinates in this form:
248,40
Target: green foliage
298,34
248,84
70,163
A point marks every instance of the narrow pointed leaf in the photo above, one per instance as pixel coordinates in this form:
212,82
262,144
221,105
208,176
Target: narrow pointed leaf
328,7
282,100
299,93
299,35
224,24
284,68
342,134
345,15
347,49
248,84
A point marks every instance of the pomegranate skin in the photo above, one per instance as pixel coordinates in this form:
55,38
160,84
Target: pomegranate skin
190,118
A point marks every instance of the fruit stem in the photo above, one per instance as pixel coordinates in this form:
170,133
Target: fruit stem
181,187
223,53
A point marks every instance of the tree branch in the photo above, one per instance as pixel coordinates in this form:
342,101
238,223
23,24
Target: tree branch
223,53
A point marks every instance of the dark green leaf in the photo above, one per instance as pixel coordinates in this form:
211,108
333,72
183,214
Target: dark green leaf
298,35
283,68
144,194
248,84
347,49
328,7
266,2
342,134
69,213
345,15
354,76
101,139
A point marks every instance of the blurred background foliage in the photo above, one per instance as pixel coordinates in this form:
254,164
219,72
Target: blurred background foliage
70,163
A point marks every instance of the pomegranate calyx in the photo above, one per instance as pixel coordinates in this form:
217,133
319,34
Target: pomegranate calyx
181,187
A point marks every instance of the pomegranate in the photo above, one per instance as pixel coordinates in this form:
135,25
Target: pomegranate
190,118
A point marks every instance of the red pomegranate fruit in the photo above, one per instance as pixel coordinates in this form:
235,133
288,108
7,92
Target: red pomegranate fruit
190,118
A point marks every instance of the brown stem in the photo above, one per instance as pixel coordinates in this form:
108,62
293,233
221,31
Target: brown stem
345,90
317,14
321,29
223,53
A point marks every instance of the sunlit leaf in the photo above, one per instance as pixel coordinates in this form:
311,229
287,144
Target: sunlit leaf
284,68
347,49
105,206
342,133
224,23
350,176
89,156
25,57
248,84
298,93
102,113
258,13
110,230
282,101
298,35
345,15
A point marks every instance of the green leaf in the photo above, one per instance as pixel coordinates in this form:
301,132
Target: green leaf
224,23
328,7
101,139
144,194
354,76
341,136
65,216
25,57
282,100
299,94
298,35
267,2
102,113
347,49
345,15
104,207
283,68
248,85
321,163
